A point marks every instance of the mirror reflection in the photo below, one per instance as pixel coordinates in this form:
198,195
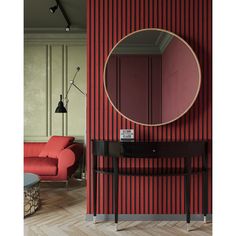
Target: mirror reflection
152,77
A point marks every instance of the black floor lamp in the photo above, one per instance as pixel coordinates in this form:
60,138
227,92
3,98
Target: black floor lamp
61,108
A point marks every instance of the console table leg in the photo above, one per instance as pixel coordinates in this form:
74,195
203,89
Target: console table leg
115,191
187,198
204,193
94,189
94,219
187,191
204,187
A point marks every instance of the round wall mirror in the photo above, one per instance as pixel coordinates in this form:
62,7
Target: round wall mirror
152,77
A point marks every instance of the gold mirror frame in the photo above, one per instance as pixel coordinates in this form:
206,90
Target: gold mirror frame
199,73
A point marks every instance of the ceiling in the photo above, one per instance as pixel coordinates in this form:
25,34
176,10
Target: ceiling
38,18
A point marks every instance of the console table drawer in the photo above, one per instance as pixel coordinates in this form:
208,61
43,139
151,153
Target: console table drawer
149,149
136,150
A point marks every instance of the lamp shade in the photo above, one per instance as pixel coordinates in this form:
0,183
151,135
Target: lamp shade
60,108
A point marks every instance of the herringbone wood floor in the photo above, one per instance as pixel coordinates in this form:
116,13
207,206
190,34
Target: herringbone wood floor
62,213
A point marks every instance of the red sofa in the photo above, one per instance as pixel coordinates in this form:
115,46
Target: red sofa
55,160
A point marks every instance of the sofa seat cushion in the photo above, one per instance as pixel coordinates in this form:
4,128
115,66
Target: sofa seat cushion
40,165
56,144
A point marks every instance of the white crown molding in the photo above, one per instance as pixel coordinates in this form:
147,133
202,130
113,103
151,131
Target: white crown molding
161,43
165,42
53,30
55,38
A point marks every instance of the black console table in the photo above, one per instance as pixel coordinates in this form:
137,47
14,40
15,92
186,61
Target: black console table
115,149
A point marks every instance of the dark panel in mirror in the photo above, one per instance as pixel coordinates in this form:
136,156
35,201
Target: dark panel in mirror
152,77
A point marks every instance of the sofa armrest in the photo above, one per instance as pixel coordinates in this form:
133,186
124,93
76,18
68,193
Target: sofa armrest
69,159
78,149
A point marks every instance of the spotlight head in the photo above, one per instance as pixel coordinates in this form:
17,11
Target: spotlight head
67,28
53,9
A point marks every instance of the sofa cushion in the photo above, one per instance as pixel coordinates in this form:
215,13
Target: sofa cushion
33,149
40,165
55,144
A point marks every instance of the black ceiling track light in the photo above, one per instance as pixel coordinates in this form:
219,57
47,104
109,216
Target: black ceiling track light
67,28
54,8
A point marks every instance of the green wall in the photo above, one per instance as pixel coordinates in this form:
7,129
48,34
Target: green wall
50,62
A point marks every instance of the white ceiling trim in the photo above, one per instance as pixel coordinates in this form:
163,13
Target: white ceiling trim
54,30
45,38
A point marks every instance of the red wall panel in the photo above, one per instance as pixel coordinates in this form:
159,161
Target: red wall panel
155,93
130,103
107,22
180,79
143,101
113,80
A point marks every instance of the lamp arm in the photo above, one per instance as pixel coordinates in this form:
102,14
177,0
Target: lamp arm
79,89
71,83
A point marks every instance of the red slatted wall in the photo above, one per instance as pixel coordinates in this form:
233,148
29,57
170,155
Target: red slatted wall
107,22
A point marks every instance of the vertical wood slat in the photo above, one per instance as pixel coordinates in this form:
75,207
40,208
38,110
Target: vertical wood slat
108,22
172,138
209,80
89,203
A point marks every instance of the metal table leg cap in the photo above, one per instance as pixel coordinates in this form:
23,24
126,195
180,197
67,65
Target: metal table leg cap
116,226
188,227
205,219
94,219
